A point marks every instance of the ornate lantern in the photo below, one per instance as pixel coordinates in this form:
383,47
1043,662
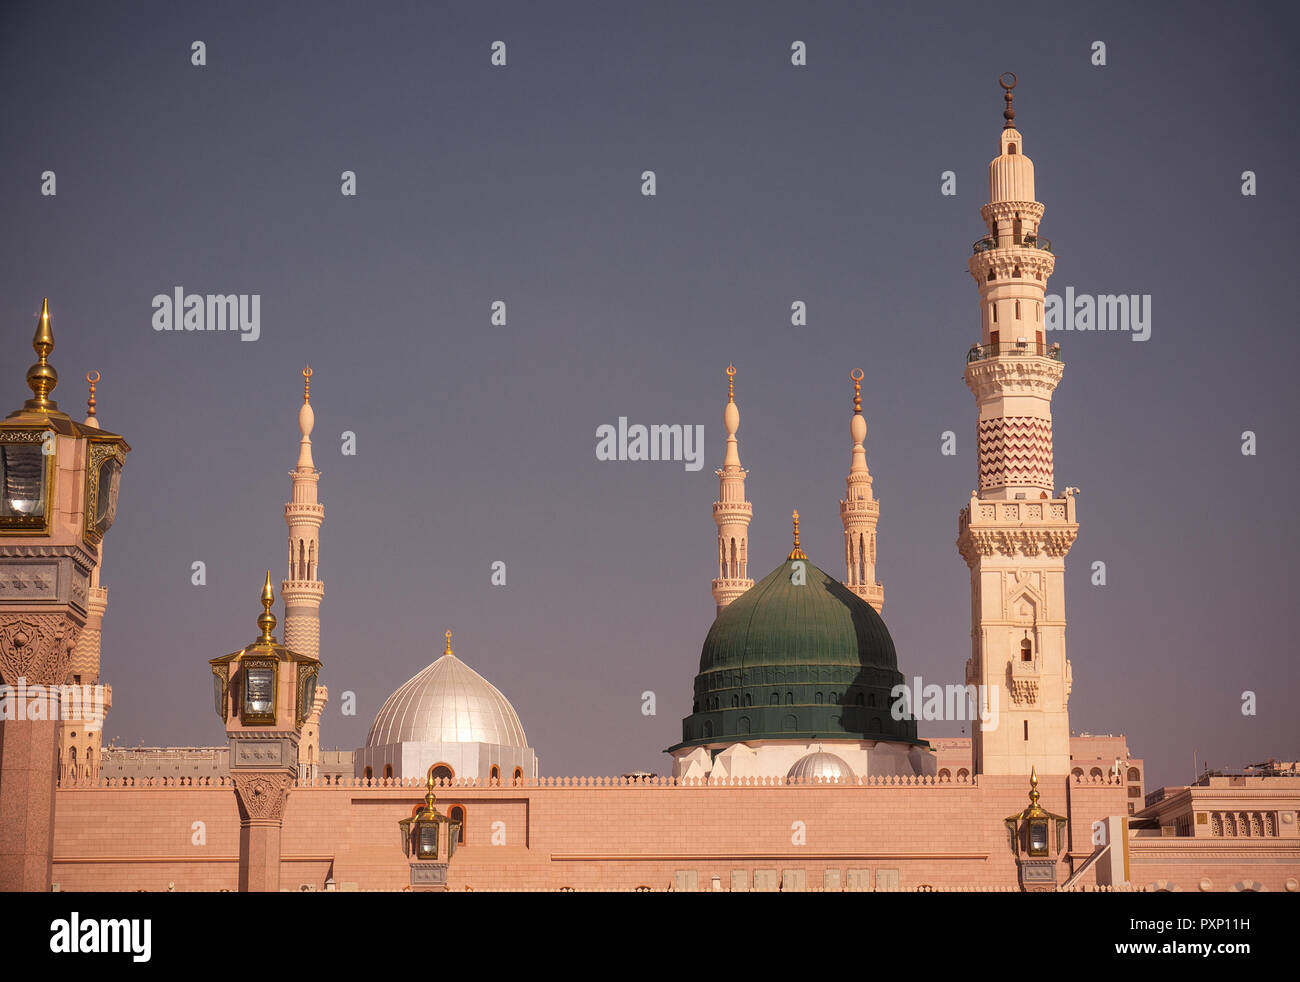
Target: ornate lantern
265,683
1028,830
1029,834
420,832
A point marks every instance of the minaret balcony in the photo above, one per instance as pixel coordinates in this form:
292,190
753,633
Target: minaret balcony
1025,348
988,244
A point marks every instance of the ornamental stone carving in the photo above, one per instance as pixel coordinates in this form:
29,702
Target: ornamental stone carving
261,796
37,647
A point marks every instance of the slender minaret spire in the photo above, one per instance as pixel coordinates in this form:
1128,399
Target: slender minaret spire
91,697
731,511
1016,530
859,512
303,589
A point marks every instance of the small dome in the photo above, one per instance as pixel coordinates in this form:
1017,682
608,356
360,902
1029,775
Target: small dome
821,765
448,702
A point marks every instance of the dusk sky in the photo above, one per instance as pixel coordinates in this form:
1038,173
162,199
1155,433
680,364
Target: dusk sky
776,183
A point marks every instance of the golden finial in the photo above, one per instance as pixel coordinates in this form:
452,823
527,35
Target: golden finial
41,377
796,552
266,620
306,384
1008,114
447,650
429,797
731,383
857,377
92,378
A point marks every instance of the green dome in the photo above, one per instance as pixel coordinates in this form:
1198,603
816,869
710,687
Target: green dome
791,661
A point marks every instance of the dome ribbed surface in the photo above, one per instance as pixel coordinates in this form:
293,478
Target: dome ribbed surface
448,702
823,766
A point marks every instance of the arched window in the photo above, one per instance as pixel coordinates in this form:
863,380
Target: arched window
311,562
820,697
735,702
962,774
734,567
862,558
749,699
1077,772
1017,302
443,771
1011,148
457,814
388,770
708,728
302,561
518,775
789,698
859,700
494,774
774,699
1026,650
945,774
367,773
1095,772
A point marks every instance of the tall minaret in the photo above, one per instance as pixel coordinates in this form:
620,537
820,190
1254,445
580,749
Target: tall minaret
1015,531
859,512
303,590
81,730
732,512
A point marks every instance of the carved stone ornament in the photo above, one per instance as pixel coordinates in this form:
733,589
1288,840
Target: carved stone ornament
261,796
37,647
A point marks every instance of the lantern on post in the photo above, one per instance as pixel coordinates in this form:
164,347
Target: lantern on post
425,845
1029,833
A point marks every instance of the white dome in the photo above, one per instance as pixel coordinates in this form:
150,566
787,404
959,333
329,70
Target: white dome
448,702
821,765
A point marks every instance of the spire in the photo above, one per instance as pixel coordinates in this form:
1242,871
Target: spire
796,552
731,512
731,421
859,511
1008,114
306,420
266,620
447,650
92,378
858,426
41,377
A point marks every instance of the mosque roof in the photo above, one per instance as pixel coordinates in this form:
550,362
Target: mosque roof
797,656
447,702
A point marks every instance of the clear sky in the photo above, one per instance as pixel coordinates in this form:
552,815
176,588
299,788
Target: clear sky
476,443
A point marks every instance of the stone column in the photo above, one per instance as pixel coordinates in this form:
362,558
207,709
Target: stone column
262,796
35,650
